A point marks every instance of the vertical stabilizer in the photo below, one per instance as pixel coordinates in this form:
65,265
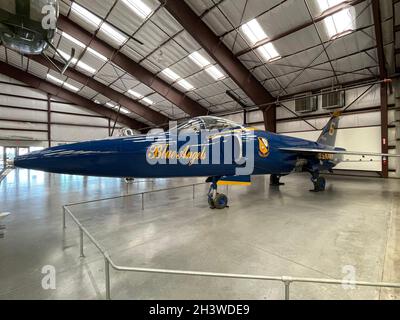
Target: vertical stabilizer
328,135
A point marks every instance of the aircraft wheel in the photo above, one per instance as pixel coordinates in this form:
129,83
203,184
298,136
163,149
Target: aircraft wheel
274,180
129,180
320,184
221,201
211,202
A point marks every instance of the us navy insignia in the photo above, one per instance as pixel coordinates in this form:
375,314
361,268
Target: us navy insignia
263,146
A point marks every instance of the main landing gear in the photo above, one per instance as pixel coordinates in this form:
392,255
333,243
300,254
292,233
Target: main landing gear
274,180
216,200
319,182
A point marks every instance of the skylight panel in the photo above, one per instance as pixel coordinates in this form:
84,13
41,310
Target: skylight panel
138,7
170,74
98,55
174,77
113,33
82,45
269,52
73,40
61,82
135,94
202,62
327,4
54,79
253,31
340,23
185,84
80,64
123,110
70,87
215,73
197,58
148,101
85,14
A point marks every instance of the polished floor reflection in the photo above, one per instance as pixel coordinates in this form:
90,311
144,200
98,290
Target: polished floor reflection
286,231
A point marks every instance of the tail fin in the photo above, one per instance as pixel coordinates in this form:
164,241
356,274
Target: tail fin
328,135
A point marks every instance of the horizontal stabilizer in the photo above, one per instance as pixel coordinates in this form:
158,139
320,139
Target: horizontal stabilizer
350,153
235,181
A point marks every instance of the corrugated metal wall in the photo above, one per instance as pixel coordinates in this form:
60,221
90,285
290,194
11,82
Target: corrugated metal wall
359,129
24,117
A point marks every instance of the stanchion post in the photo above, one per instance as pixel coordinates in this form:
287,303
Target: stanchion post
142,201
81,243
107,275
287,289
63,218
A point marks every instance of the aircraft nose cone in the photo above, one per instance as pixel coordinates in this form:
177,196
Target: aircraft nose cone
28,161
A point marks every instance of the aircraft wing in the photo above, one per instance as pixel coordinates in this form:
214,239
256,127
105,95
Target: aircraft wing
349,153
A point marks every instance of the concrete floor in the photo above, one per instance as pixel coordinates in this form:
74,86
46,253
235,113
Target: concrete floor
267,231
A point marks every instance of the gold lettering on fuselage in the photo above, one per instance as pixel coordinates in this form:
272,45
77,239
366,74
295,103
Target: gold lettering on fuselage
162,152
325,156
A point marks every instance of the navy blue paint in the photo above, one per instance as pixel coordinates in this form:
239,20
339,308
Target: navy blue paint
126,157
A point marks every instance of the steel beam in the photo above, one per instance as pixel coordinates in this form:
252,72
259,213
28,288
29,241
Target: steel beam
173,95
383,75
132,105
56,91
221,54
49,119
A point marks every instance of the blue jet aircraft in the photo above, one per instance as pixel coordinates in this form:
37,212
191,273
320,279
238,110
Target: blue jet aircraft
202,152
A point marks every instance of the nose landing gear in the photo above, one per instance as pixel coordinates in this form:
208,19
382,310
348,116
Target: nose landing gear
319,182
216,200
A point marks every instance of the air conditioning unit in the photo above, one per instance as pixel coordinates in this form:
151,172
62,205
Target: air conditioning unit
306,103
332,99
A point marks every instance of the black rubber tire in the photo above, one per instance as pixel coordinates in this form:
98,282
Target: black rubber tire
274,180
320,184
211,203
221,201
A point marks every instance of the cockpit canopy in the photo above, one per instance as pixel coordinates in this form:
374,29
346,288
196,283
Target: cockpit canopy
208,123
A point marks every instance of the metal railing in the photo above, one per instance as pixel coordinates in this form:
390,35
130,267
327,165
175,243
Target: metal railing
287,281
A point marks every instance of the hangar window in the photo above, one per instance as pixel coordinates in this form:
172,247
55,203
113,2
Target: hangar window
340,23
255,33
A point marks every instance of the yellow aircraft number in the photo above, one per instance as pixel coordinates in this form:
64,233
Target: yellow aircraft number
325,156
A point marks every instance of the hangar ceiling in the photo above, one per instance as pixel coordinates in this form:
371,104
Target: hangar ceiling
289,46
